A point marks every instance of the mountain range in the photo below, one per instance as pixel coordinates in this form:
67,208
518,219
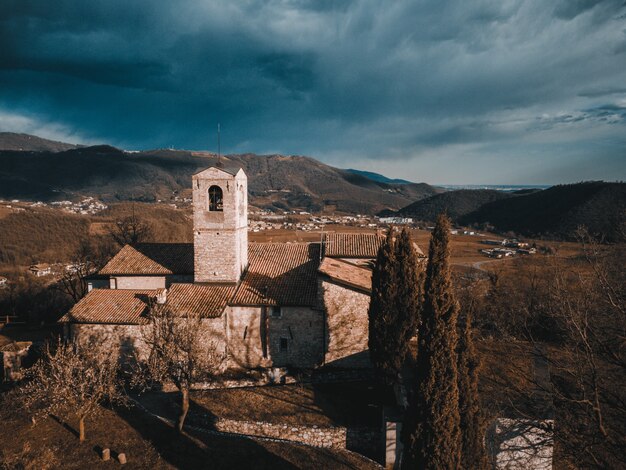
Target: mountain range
32,168
36,169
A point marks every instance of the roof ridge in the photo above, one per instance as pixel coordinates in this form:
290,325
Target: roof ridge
283,243
159,243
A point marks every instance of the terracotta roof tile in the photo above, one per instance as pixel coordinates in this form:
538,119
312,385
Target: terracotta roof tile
111,306
205,300
355,245
129,306
280,274
347,274
152,259
352,245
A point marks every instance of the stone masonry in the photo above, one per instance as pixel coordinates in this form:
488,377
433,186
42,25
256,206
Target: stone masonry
248,328
365,440
347,325
127,341
220,237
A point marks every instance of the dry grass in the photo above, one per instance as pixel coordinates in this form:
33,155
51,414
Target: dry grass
4,211
324,405
151,443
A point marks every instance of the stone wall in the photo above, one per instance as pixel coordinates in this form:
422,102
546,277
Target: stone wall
346,325
127,340
123,340
243,333
301,327
303,330
364,440
138,282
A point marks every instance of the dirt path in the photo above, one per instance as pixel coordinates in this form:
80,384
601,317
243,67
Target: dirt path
479,264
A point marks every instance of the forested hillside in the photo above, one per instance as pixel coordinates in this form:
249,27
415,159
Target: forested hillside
558,211
454,203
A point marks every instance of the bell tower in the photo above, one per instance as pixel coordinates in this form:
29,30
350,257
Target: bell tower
220,224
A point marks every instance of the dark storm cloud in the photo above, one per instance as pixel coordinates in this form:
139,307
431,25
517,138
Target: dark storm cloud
348,82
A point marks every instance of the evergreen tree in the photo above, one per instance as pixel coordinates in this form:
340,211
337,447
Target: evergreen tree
473,455
408,300
432,431
380,314
395,304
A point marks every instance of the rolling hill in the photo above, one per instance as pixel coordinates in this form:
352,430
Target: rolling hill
555,212
558,211
378,177
274,181
454,203
26,142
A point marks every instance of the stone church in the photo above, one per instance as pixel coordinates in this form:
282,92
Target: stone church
265,304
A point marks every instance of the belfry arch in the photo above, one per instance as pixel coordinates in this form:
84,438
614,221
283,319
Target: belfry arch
216,199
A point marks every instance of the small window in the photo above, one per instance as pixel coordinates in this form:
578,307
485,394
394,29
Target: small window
284,344
275,311
216,200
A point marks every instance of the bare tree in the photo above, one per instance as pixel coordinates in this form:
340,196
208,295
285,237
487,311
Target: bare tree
73,380
130,230
571,313
90,257
179,353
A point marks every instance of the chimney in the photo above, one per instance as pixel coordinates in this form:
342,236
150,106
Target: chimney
161,296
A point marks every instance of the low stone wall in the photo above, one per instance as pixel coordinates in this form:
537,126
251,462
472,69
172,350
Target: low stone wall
364,440
314,436
282,376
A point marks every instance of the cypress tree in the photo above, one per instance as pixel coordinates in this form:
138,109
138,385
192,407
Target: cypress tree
381,310
432,429
409,286
473,455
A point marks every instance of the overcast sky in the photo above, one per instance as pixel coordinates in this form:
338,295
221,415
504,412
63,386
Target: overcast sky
457,92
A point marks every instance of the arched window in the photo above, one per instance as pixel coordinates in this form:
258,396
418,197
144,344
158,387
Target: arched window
215,199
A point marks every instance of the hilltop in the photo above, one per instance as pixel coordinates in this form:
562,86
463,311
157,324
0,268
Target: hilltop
275,181
26,142
377,177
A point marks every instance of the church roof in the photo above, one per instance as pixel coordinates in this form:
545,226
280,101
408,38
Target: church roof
152,259
228,167
352,245
277,274
112,306
205,300
355,245
130,306
280,274
347,274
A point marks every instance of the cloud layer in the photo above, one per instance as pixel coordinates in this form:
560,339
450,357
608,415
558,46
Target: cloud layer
488,91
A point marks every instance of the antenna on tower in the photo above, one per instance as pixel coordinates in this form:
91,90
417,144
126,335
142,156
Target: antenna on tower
219,150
